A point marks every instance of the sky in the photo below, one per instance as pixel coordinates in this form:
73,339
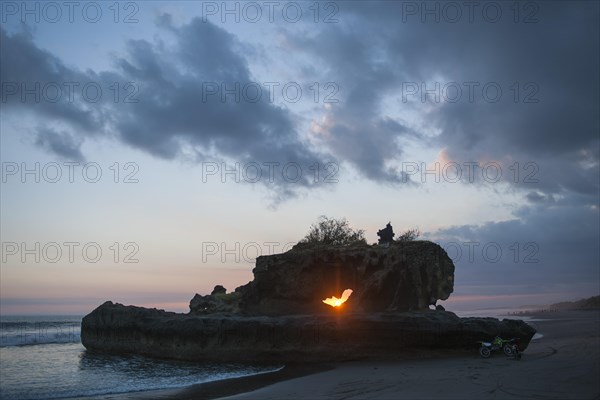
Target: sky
151,150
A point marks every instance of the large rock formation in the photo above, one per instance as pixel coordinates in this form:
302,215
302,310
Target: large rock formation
402,277
280,315
327,337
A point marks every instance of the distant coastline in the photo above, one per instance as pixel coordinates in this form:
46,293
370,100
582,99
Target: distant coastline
591,303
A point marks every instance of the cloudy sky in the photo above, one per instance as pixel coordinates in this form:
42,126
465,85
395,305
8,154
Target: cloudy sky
151,150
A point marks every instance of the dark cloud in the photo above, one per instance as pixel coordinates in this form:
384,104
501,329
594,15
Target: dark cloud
536,197
547,71
359,132
62,143
371,54
547,247
34,79
163,105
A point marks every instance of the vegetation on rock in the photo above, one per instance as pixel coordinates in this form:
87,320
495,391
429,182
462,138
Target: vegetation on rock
331,231
409,235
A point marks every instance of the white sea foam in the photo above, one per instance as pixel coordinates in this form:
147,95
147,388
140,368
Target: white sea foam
34,333
43,358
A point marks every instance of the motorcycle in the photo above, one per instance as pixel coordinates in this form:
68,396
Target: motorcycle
510,347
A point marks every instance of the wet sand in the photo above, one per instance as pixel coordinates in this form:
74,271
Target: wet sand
563,364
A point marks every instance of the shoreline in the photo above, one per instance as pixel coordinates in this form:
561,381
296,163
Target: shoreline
226,388
562,363
221,388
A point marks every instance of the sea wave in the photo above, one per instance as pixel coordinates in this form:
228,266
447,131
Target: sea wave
58,371
29,333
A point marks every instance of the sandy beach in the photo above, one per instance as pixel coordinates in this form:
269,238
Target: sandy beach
564,363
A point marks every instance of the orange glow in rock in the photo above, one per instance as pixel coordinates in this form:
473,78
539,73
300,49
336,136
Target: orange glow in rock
335,302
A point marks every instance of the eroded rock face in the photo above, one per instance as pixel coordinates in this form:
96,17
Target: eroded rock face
119,329
402,277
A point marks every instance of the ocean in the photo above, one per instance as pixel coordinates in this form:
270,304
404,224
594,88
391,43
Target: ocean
43,358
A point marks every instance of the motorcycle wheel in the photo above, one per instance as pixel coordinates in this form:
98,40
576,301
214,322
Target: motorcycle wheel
508,350
485,352
516,353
